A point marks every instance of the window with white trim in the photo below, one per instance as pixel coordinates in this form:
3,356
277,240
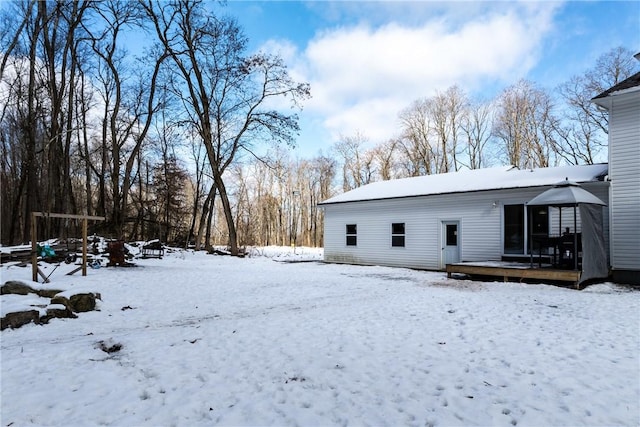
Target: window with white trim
397,234
352,234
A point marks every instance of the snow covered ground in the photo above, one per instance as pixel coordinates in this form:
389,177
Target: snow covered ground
216,340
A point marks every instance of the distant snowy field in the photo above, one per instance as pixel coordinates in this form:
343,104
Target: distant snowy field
215,340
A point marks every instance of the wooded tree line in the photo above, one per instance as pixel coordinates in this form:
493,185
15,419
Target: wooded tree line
88,127
526,125
168,140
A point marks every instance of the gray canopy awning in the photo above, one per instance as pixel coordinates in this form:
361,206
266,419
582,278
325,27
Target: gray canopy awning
570,194
565,193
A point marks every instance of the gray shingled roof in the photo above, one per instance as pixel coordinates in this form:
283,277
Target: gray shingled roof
630,82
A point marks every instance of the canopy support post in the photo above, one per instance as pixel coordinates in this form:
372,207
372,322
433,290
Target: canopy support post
575,238
530,233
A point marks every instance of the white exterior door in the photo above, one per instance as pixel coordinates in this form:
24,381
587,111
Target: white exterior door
450,242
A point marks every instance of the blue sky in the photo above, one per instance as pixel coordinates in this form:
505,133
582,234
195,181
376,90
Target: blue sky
366,61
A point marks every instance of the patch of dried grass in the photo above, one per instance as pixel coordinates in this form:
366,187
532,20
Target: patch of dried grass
461,285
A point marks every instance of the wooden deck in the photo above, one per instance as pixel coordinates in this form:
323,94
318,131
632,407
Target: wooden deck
513,271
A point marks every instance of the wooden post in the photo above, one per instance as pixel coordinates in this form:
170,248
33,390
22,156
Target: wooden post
529,211
84,247
34,255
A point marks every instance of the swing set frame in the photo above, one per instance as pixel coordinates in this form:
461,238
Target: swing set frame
34,235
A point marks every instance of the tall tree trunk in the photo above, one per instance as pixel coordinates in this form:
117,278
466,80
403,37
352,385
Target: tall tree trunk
205,217
212,209
30,131
85,148
228,214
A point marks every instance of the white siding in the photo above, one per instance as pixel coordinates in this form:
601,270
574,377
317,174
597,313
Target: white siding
624,172
480,232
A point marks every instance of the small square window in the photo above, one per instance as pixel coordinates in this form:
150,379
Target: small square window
397,234
352,234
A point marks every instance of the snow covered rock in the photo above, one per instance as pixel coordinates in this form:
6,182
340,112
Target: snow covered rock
15,320
78,303
58,311
16,288
81,303
22,304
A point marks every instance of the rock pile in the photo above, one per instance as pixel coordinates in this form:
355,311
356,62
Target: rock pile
59,306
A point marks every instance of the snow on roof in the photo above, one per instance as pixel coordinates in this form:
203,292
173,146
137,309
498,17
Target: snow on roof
463,181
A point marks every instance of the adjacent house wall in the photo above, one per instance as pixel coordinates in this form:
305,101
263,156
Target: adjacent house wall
624,166
481,230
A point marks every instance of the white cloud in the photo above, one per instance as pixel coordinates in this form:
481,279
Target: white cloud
361,76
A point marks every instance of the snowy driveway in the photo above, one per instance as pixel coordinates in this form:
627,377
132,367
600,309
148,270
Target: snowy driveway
210,340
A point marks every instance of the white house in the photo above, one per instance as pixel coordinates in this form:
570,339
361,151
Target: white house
622,101
430,221
481,215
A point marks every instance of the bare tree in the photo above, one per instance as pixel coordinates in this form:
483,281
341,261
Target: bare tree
61,29
129,104
476,127
384,156
204,224
9,34
431,132
227,95
324,171
446,110
22,113
416,141
582,134
84,129
277,201
523,123
357,161
200,185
